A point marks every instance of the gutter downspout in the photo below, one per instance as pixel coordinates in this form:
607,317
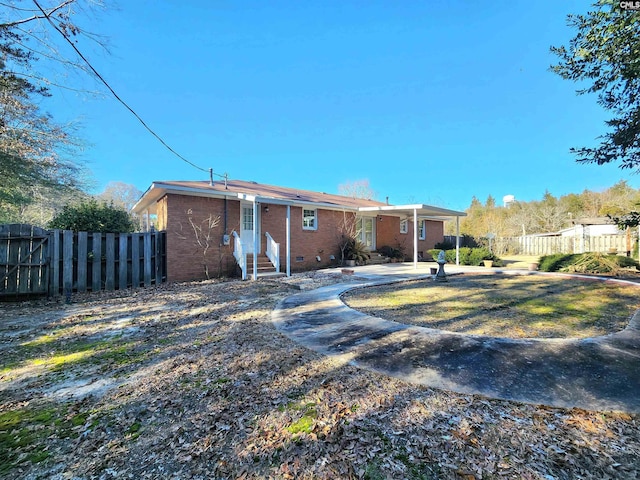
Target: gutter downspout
288,234
225,216
457,240
255,240
415,238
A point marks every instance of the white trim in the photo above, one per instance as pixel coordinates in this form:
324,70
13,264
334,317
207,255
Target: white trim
420,209
457,240
256,240
315,219
415,238
288,230
405,222
361,234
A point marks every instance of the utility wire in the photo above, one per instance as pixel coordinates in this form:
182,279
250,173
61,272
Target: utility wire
46,15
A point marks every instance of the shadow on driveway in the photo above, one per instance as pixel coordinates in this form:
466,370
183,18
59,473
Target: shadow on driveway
601,373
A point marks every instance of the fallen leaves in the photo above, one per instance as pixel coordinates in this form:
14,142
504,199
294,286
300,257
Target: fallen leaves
219,393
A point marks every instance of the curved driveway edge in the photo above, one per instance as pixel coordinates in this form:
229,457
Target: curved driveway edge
600,373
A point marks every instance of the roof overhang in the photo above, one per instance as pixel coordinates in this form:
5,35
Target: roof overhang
157,190
421,210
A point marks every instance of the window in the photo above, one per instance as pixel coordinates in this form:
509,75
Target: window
423,230
309,219
404,226
247,218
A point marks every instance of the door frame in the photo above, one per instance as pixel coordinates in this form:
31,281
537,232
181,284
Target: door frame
360,235
247,238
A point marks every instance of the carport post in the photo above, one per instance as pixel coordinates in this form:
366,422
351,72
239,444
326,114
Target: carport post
415,238
256,239
288,228
457,240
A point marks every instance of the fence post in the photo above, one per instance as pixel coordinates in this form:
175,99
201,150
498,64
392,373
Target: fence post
67,261
158,255
122,261
110,281
146,255
82,261
96,271
135,260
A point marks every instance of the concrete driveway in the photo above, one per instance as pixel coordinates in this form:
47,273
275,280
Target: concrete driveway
600,373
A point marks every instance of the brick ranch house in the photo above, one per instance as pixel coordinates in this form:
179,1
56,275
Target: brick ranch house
214,228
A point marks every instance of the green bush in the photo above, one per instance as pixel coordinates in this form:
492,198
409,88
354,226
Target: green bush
626,262
93,217
557,261
356,250
468,256
444,246
391,252
585,263
479,254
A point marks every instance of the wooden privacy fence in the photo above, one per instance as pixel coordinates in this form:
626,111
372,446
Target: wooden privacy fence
37,261
532,245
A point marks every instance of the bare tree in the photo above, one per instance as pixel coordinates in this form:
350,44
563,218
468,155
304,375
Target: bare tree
34,24
36,151
201,233
357,189
345,233
123,195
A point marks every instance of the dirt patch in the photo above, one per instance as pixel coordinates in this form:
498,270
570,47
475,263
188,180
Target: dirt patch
204,387
510,306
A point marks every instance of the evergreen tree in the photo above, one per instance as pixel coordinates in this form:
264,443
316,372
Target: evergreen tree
605,54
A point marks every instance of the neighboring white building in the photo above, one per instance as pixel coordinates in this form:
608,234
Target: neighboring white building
590,227
586,235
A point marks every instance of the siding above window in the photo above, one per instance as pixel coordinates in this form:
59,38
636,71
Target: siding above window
309,219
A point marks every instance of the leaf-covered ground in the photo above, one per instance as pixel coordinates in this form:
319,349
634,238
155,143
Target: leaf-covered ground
192,381
514,306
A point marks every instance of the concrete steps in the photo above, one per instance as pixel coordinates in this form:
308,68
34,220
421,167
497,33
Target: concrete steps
265,267
377,259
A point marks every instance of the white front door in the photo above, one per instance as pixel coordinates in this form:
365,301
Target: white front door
246,227
365,231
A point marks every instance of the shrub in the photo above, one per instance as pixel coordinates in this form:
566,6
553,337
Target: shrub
356,250
391,252
557,261
478,255
468,256
593,263
93,217
444,246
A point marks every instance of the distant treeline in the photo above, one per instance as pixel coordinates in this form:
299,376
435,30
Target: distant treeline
549,214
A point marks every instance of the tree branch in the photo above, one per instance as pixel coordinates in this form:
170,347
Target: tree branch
36,16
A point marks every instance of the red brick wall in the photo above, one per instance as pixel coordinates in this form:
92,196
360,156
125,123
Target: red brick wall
161,206
388,233
186,257
306,245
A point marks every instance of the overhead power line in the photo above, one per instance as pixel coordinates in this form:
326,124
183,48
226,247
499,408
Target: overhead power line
101,78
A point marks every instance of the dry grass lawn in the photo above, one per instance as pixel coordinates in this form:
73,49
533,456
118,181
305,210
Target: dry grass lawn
514,306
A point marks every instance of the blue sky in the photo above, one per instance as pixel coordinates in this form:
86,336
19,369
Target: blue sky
430,101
